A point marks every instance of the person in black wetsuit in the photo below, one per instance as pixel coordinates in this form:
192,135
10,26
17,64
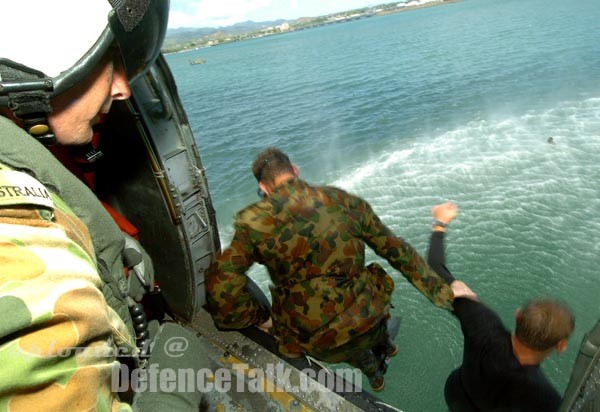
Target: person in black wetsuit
500,371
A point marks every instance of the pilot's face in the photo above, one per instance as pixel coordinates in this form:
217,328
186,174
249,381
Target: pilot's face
77,110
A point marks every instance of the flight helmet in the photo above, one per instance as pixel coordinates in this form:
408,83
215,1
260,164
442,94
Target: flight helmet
51,45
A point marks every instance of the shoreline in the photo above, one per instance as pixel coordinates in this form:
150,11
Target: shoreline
303,23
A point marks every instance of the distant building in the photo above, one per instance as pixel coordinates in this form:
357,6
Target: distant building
284,27
413,3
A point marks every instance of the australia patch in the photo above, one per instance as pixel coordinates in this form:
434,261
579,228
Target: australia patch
18,188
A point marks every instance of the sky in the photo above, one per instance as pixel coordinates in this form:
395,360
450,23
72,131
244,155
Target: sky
221,13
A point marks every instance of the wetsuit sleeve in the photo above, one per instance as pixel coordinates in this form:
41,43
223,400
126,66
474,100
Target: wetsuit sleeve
56,330
436,256
229,302
474,316
403,257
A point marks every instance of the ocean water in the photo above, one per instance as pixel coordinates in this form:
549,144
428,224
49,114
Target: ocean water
454,102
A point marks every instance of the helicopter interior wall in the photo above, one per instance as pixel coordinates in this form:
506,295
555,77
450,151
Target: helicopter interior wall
126,181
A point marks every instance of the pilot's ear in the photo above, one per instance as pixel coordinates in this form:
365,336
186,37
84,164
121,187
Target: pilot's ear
296,170
561,346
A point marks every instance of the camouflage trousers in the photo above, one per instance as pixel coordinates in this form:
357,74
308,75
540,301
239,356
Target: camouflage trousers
359,351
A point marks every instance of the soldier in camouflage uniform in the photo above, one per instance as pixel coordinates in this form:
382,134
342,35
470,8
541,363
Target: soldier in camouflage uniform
326,302
63,295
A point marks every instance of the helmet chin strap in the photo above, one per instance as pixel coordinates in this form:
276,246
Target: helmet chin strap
26,93
32,108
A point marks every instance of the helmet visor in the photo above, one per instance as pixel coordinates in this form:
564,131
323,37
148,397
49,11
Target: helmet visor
139,29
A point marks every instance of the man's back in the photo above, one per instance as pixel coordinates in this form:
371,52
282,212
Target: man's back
491,377
311,239
301,231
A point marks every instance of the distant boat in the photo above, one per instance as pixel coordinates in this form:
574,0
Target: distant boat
199,60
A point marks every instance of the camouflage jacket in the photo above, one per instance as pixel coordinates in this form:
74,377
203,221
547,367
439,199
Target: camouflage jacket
312,241
20,152
57,334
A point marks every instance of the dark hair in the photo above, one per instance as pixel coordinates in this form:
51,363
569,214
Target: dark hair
269,164
543,323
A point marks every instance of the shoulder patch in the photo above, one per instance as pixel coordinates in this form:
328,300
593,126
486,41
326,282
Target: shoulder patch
18,188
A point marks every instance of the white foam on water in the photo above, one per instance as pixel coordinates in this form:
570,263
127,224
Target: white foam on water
489,161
